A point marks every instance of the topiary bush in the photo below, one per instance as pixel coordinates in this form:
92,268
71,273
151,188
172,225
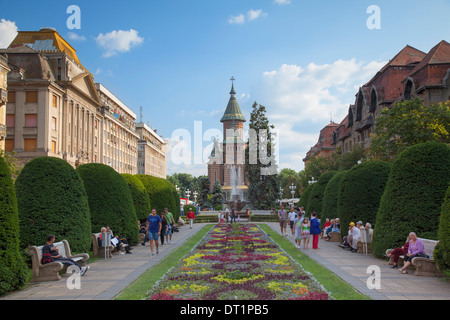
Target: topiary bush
442,251
110,201
161,194
360,192
140,196
52,200
330,197
413,196
317,191
304,198
175,207
13,269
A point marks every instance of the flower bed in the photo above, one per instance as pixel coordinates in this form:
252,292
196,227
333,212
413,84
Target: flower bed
237,262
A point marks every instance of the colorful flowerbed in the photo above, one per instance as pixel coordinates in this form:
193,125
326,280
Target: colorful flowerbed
237,262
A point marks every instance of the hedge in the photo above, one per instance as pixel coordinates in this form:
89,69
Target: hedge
110,201
140,196
317,191
330,197
442,251
13,269
52,200
161,194
413,196
264,218
360,192
304,198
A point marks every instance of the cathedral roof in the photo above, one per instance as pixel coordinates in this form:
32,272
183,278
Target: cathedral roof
233,111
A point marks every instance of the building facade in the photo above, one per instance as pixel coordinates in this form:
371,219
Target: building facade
151,152
52,101
409,74
119,140
4,69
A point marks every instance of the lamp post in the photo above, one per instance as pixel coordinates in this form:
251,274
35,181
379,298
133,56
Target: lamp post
177,188
292,187
195,196
312,180
188,194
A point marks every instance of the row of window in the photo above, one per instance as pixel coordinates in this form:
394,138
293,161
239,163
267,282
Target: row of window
30,121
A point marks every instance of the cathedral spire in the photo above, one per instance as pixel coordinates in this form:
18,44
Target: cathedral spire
233,111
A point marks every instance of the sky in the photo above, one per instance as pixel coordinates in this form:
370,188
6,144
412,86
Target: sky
304,60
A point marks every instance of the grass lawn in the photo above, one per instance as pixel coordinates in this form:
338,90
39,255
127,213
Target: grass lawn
138,289
337,287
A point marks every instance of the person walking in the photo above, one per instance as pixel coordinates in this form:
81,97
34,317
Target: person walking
315,230
154,225
190,216
292,215
282,216
233,215
164,226
305,232
170,224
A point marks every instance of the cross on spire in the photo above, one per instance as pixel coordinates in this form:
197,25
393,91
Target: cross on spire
232,78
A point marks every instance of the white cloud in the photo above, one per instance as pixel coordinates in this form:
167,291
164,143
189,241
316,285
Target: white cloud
75,37
240,19
118,41
251,15
281,2
8,31
299,101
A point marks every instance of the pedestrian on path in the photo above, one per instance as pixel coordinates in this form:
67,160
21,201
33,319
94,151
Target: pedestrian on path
190,216
315,230
282,216
170,224
233,215
154,225
292,215
305,231
164,226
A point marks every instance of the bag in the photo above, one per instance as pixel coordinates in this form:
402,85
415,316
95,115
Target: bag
46,258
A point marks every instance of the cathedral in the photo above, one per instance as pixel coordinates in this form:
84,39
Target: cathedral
227,159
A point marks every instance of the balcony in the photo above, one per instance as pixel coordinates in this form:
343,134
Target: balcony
2,131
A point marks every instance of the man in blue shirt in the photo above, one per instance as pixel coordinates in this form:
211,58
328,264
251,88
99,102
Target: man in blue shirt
154,225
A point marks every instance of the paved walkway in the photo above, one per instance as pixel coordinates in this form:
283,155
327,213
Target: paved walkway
106,278
352,267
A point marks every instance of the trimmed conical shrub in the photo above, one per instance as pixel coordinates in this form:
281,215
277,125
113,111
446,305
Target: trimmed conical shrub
330,197
304,198
52,200
360,192
140,196
13,270
317,192
110,201
161,194
413,196
442,252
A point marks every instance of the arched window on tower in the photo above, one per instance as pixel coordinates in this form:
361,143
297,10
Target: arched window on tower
408,90
373,100
359,106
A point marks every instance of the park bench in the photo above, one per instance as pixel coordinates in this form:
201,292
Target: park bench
99,252
424,266
50,271
335,237
364,243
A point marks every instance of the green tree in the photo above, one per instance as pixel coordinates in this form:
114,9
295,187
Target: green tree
263,190
330,197
52,200
202,198
13,270
412,199
217,194
11,162
110,200
304,198
316,197
408,123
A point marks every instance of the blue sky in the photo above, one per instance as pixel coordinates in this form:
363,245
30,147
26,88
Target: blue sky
302,59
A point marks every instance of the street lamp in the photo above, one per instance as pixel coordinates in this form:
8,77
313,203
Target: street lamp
195,196
312,180
177,188
188,194
292,187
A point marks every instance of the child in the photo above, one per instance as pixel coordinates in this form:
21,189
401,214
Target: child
305,233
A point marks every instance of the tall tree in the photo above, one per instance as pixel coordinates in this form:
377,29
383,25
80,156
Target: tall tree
260,162
217,194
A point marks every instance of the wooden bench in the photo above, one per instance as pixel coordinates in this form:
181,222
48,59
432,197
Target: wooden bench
50,271
99,252
424,266
335,236
364,243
